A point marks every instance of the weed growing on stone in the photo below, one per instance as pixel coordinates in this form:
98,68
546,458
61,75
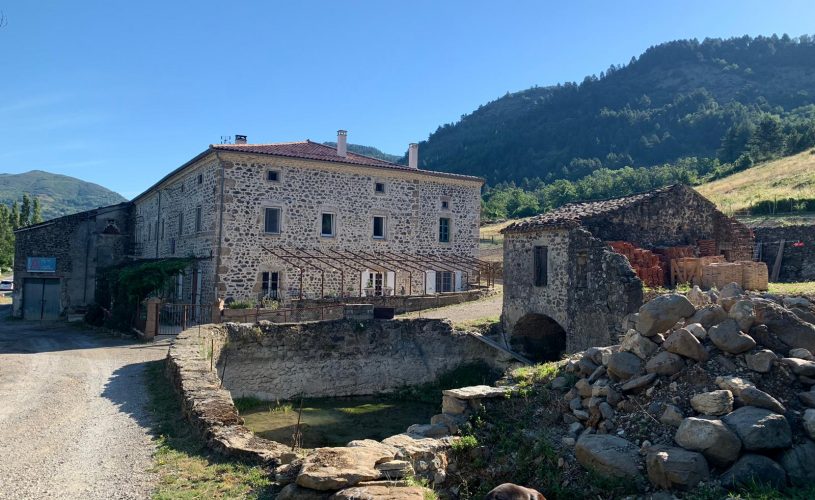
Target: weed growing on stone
185,467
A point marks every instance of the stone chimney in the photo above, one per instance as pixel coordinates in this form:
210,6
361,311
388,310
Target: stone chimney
413,155
240,139
342,146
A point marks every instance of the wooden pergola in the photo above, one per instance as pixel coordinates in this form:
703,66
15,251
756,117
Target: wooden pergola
474,271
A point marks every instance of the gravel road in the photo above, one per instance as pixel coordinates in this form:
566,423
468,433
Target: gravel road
467,311
73,417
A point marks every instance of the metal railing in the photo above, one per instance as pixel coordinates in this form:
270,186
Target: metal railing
175,318
285,315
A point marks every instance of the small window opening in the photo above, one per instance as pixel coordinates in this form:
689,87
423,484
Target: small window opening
541,265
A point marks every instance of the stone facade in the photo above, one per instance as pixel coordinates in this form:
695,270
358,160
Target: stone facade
81,244
798,260
590,289
342,358
232,191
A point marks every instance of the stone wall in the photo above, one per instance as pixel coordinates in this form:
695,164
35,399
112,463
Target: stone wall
589,291
81,243
403,304
234,192
798,262
674,217
342,358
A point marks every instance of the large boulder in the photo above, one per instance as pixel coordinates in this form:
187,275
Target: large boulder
635,343
608,455
731,290
809,422
678,468
709,316
383,492
663,312
684,343
799,462
752,396
711,438
336,468
727,337
698,298
760,361
759,429
509,491
754,469
744,314
665,363
624,365
788,327
294,492
713,403
800,366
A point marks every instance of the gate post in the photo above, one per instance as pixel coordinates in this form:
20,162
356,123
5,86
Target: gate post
217,307
151,324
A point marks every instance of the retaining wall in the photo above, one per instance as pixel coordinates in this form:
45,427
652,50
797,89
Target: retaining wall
343,357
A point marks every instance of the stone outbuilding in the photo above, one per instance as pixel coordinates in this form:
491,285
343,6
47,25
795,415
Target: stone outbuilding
565,289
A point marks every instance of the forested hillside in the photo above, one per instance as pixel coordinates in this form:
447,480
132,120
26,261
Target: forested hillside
736,101
367,151
57,194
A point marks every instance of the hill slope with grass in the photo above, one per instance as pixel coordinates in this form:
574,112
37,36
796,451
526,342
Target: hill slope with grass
58,194
790,177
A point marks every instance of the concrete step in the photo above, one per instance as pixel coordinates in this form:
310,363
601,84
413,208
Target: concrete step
501,348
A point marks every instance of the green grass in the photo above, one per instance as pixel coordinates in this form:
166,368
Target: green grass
790,177
538,374
481,325
803,288
185,468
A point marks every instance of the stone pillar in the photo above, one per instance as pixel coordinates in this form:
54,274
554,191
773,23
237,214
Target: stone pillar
217,307
151,325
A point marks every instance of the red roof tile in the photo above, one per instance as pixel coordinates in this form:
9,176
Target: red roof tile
315,151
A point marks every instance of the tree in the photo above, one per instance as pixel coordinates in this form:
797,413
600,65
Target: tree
768,138
25,211
14,216
36,215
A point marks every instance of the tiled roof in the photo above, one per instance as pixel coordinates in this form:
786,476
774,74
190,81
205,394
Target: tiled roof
572,215
315,151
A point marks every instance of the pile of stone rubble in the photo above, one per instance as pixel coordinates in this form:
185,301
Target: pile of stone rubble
704,387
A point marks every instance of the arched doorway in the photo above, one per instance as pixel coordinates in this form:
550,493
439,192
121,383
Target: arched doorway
539,337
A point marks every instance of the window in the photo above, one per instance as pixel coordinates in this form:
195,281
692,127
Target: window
541,263
379,227
272,175
180,223
327,224
444,230
200,178
271,223
198,218
270,284
445,204
444,281
379,187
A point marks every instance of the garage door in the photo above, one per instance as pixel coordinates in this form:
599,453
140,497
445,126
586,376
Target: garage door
41,298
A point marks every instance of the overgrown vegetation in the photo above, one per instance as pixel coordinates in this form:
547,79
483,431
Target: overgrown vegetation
119,289
802,288
14,216
184,466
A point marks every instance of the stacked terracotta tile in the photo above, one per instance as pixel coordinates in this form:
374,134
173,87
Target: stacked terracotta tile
707,248
648,266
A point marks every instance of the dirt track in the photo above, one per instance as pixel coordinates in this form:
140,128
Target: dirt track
73,417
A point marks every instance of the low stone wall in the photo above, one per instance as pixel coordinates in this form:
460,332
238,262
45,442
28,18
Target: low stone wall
343,357
207,406
359,469
404,304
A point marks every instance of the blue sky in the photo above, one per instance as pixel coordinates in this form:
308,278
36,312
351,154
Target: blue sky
121,92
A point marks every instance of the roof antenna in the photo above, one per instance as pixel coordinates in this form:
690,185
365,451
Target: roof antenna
226,139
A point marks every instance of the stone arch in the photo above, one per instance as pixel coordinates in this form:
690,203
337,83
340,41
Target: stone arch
539,338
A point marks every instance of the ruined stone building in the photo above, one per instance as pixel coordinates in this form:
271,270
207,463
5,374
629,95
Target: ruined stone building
296,219
565,289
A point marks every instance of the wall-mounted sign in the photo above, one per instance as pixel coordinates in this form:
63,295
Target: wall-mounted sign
41,265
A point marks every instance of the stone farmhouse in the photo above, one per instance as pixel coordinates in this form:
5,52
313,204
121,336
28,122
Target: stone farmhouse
566,289
285,220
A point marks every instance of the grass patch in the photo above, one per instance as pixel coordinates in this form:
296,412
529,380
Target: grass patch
481,325
790,177
802,288
542,373
185,467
